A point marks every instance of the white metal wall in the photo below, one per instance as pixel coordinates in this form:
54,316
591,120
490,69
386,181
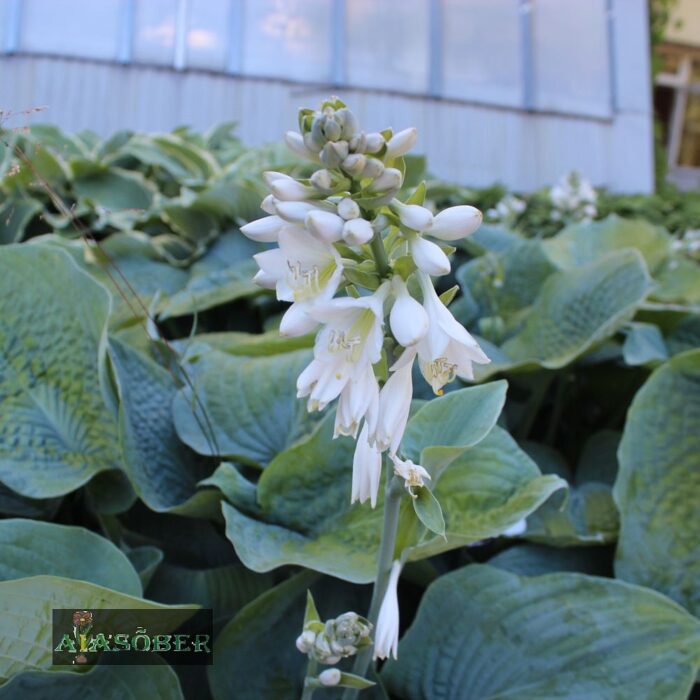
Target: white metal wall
466,142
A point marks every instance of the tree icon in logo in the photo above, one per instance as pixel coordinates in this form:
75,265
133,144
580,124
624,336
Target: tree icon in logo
82,625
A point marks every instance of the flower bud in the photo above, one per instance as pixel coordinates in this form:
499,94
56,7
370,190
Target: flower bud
350,125
413,216
268,205
331,129
330,677
311,143
408,319
263,279
305,641
390,179
295,143
294,212
317,132
455,223
325,225
357,143
296,322
357,231
401,143
374,142
354,164
322,181
429,257
373,168
289,190
265,230
271,176
334,153
348,208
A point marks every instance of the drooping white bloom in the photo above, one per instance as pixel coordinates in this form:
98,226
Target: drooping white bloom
412,474
349,342
325,225
330,677
428,256
454,223
395,404
366,470
386,640
448,350
358,399
408,319
401,143
413,216
265,230
357,231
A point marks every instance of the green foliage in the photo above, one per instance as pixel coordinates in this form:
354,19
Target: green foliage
152,447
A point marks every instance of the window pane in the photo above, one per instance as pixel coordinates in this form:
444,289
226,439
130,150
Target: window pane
388,44
208,26
71,27
571,56
154,31
288,38
481,51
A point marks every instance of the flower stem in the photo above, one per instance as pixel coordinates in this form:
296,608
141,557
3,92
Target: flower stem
392,502
310,674
380,259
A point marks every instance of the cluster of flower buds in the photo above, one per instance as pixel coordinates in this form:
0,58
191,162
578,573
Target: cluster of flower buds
573,199
344,228
689,244
507,211
329,642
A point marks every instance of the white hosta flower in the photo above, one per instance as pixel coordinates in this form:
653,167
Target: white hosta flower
295,143
389,180
366,470
454,223
412,474
413,216
349,343
358,399
394,405
408,319
348,208
330,677
325,225
401,143
428,256
304,268
448,350
386,639
265,230
357,231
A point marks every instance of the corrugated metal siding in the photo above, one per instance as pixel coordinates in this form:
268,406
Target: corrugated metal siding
466,143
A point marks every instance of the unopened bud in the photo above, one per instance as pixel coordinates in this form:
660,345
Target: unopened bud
334,153
268,205
354,164
357,143
305,641
374,142
350,125
295,143
390,179
401,143
413,216
373,168
311,143
331,129
348,208
330,677
325,225
357,231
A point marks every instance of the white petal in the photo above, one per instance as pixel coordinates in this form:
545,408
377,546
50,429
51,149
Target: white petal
456,222
408,319
296,322
386,638
429,257
366,470
262,279
265,230
394,407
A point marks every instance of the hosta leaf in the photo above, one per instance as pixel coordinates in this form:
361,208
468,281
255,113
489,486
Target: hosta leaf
685,335
644,345
25,616
678,281
15,215
31,548
657,489
163,471
12,503
247,407
590,241
485,634
116,682
248,344
56,432
574,311
536,559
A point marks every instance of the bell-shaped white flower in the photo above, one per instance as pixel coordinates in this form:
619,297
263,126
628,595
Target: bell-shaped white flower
386,638
358,399
428,256
295,143
265,230
349,342
413,216
305,268
401,143
448,350
413,474
395,404
366,470
389,180
454,223
357,231
408,319
325,225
